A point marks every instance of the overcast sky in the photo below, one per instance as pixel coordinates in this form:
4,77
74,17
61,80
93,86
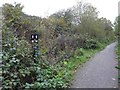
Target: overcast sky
107,8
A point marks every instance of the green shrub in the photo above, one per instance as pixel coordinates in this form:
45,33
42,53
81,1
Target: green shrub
78,52
91,44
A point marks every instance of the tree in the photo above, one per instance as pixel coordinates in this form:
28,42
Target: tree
117,26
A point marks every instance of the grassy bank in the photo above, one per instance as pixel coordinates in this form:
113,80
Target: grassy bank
118,58
68,67
118,52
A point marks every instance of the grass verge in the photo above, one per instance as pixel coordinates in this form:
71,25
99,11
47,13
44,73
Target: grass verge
118,58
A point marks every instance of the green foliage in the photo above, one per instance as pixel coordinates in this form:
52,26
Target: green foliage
19,70
117,33
91,44
79,52
116,25
24,48
118,58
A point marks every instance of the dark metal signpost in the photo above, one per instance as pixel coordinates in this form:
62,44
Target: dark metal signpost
34,40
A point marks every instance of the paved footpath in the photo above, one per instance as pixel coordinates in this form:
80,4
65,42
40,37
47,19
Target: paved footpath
99,72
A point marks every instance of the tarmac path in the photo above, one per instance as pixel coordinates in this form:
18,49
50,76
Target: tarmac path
99,71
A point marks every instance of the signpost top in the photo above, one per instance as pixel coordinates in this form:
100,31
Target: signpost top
34,36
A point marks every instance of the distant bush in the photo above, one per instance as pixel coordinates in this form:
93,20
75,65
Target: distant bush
91,44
